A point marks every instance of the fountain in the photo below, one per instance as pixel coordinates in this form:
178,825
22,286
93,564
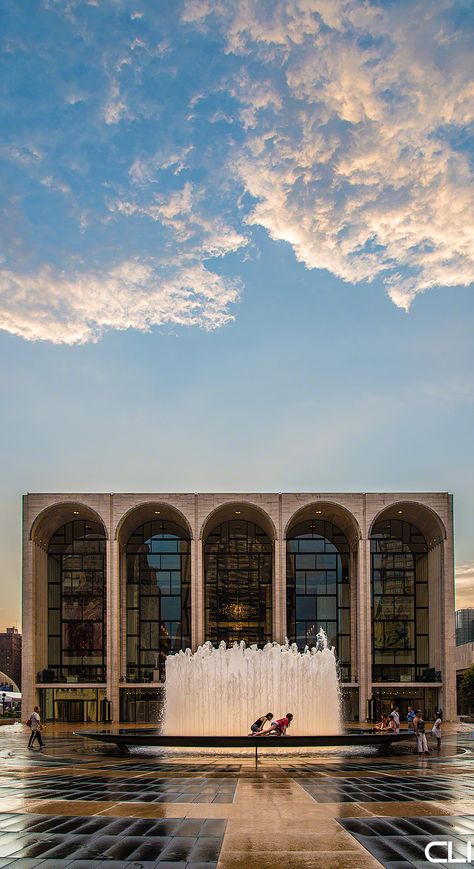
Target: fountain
214,694
221,691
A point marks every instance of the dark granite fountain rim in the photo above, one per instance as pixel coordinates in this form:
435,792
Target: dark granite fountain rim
152,737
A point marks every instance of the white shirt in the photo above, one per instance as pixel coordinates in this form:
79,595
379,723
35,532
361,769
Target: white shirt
35,720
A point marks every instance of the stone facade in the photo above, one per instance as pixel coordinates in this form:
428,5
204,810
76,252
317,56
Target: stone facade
354,513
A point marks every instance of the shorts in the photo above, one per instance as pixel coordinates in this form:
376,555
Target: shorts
255,728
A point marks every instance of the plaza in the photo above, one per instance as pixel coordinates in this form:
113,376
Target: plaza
113,583
82,806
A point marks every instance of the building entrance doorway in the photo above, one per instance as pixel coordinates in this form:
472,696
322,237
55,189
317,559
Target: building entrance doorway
71,711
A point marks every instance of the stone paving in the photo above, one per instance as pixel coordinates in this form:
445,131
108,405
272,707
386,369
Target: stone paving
79,804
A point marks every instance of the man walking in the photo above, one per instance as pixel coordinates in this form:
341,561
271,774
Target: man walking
36,727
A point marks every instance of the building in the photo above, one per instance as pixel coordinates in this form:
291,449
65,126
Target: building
464,621
112,583
10,655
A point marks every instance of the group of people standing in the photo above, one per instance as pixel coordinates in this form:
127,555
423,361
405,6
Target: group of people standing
416,723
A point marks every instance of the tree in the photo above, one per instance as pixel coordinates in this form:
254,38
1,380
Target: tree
467,686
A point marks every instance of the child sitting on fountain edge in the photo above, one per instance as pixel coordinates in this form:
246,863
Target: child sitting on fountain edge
278,727
259,724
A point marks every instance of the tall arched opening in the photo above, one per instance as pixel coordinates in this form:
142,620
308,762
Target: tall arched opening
238,578
158,597
406,543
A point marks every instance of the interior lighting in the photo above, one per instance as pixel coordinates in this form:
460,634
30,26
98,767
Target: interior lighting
318,512
400,511
237,512
157,512
75,512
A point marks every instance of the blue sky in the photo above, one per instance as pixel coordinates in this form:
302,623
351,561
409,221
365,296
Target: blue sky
236,251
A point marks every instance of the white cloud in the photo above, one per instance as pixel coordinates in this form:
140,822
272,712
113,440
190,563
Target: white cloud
181,211
80,307
55,185
145,170
351,122
465,585
115,107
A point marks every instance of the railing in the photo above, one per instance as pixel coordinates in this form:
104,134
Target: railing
396,673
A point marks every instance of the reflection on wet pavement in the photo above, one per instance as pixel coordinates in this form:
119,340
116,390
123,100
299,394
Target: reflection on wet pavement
79,805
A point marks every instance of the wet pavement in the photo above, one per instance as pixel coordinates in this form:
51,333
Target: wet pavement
80,804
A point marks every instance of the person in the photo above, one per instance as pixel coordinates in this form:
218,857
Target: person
279,727
419,728
34,722
382,725
395,716
392,725
258,725
410,716
436,731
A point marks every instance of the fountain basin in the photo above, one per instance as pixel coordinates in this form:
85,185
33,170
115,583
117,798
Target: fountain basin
148,737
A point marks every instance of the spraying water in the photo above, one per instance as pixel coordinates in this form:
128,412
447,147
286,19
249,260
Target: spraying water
220,692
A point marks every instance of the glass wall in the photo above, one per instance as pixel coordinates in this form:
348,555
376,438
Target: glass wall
238,584
74,705
142,706
318,588
76,604
400,624
385,699
158,591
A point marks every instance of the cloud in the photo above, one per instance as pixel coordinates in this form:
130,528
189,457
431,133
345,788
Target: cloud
354,115
115,107
205,235
465,585
77,308
55,185
145,170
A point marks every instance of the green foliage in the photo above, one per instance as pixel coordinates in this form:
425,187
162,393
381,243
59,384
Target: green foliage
467,685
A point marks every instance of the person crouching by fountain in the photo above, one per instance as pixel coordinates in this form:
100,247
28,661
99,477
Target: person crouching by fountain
382,724
278,727
259,724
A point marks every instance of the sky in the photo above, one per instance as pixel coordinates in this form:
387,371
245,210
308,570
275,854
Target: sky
236,252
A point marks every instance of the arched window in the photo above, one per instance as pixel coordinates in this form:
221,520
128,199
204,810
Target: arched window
77,603
158,597
318,587
238,583
400,624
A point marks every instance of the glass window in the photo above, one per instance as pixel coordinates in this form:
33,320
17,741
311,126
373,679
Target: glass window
318,587
158,597
77,603
238,584
399,602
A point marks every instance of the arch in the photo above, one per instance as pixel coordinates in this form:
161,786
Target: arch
245,510
238,558
148,511
53,517
156,588
76,601
7,680
332,512
423,517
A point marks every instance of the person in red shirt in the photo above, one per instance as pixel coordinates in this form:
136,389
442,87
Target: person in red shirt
278,727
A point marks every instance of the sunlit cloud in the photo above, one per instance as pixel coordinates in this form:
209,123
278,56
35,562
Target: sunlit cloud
349,154
337,126
465,585
74,309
